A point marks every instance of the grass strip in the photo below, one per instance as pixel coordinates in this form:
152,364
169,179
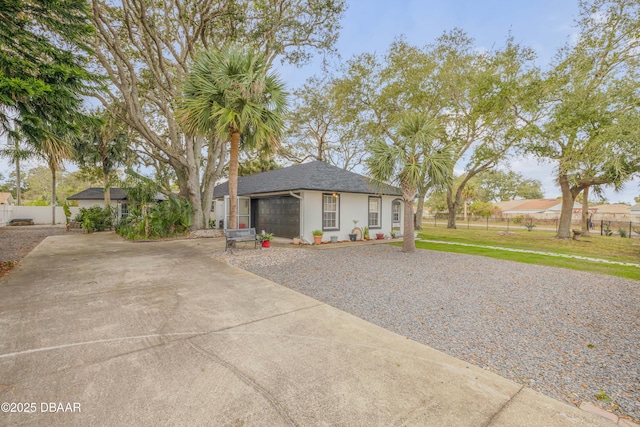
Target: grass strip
551,261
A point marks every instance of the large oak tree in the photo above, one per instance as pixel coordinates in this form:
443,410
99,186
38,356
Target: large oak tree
145,48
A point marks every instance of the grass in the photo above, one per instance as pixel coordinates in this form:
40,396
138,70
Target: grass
609,248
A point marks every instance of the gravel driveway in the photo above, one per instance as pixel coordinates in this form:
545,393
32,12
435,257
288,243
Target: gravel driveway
567,334
16,242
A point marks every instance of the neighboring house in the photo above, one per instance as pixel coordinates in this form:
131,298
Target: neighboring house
6,199
635,211
616,211
95,197
296,200
535,208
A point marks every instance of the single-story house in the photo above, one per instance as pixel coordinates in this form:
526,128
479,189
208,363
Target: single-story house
296,200
536,208
95,197
635,210
6,199
611,211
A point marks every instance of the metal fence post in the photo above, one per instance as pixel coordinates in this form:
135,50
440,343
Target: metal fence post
602,227
630,229
487,223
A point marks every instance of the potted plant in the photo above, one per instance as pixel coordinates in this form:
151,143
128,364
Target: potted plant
365,233
380,236
265,239
393,234
317,237
334,239
353,236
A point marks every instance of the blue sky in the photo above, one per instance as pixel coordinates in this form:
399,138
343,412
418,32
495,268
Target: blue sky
545,25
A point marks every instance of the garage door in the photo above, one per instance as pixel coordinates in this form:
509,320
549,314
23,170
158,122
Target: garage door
278,215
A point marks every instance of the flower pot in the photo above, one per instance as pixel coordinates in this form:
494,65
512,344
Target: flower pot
380,236
317,240
334,239
296,241
266,243
353,237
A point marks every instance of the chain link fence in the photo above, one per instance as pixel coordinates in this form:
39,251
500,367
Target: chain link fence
626,229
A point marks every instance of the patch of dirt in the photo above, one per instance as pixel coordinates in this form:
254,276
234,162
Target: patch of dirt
5,267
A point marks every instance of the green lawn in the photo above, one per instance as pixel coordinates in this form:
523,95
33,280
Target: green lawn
610,248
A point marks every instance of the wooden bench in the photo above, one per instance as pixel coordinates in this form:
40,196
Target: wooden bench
21,221
233,235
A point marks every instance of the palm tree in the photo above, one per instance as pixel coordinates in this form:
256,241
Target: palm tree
103,141
411,158
53,148
232,95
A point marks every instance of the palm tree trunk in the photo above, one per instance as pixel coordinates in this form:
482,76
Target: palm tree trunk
107,190
408,241
18,183
53,195
419,211
234,149
585,211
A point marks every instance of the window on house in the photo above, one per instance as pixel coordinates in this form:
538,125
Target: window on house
395,213
124,210
375,203
330,211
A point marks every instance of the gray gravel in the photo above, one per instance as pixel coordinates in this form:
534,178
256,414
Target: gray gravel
16,242
567,334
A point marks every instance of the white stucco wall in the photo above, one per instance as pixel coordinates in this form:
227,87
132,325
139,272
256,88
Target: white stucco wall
352,206
89,203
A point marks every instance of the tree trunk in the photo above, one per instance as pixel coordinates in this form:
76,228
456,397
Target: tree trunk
418,221
408,241
585,211
452,206
233,179
53,195
18,183
564,223
107,190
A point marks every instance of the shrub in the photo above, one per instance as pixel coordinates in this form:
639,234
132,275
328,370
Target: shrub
623,232
96,218
163,219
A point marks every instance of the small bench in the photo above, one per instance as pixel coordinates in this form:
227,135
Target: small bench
21,221
233,235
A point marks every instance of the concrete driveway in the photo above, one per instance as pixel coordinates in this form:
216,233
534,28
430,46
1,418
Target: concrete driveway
98,331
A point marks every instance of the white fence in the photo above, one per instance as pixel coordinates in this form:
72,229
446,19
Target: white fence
39,214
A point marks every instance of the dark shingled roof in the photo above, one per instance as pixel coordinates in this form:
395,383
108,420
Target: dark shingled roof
98,194
317,176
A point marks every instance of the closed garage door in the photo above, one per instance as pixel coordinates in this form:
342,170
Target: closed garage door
278,215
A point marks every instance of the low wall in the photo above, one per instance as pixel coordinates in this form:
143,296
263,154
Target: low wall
42,214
